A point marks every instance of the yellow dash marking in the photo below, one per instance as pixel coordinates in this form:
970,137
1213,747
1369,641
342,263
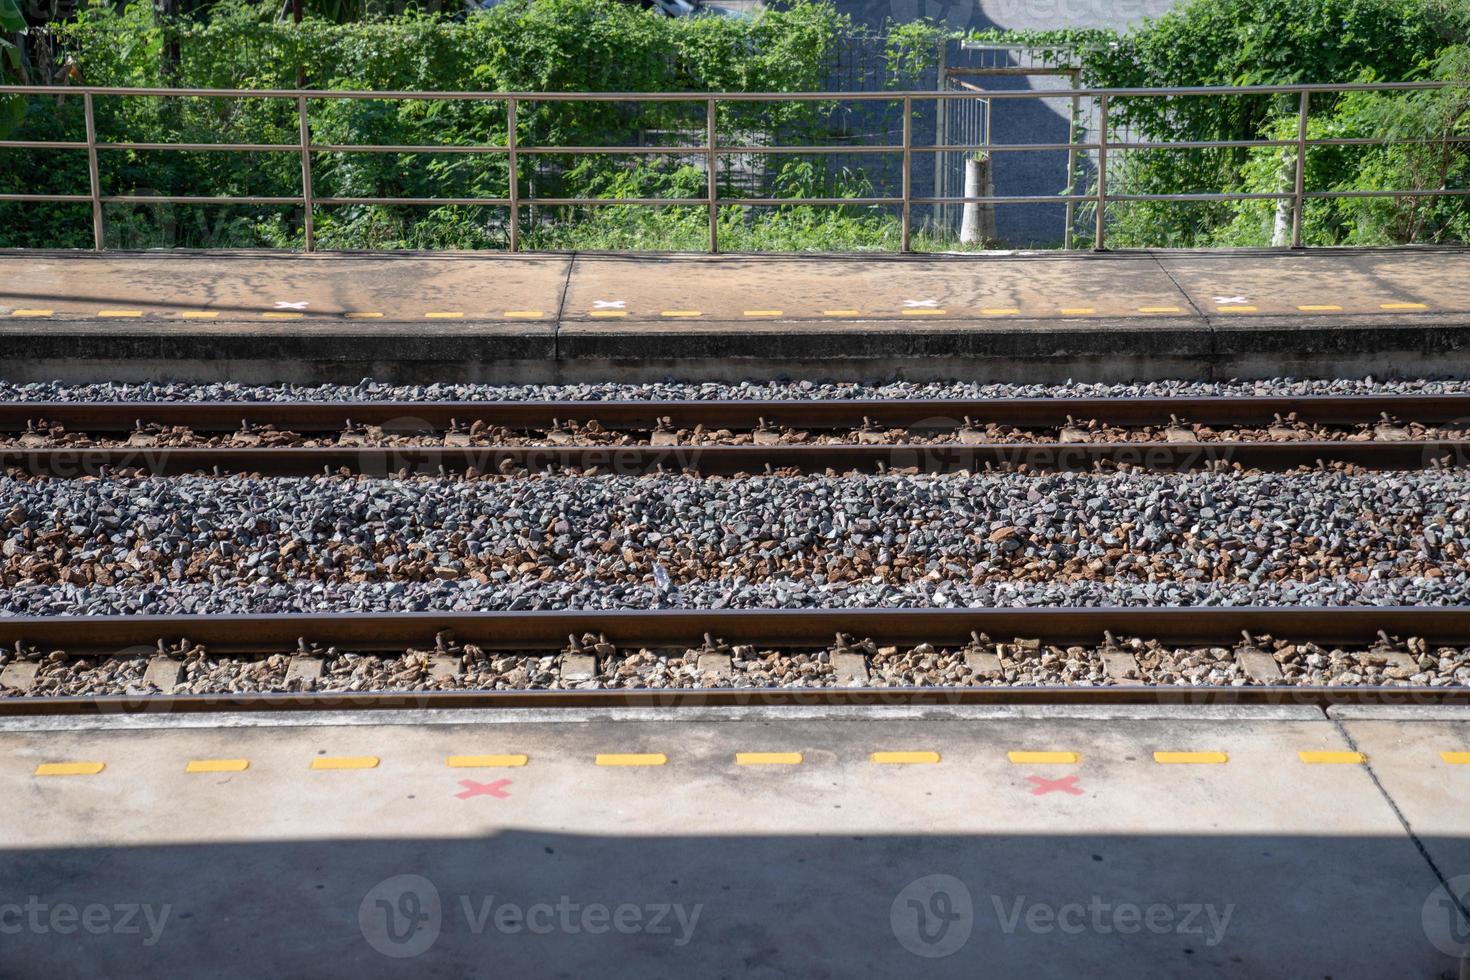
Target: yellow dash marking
682,313
1403,306
1044,758
841,312
608,313
924,312
768,758
762,312
1191,758
31,312
450,315
1456,758
199,314
1318,309
1158,309
119,312
282,316
1235,309
69,768
486,761
524,314
363,316
1333,758
999,311
217,765
345,762
631,759
904,758
1077,310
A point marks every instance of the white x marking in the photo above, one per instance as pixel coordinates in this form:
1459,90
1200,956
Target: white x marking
921,302
1230,300
609,304
283,305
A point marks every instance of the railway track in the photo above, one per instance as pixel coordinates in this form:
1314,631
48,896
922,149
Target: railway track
1261,644
726,437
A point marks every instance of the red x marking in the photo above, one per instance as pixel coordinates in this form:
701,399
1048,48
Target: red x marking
472,788
1067,784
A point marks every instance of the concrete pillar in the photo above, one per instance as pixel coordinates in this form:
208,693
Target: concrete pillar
1281,226
977,225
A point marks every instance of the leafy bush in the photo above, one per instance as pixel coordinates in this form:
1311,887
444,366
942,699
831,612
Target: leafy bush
1249,42
521,45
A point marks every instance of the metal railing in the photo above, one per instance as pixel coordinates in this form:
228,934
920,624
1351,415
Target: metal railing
711,150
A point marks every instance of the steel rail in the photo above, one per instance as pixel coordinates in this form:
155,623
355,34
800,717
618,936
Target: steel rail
615,699
919,414
262,634
726,460
360,632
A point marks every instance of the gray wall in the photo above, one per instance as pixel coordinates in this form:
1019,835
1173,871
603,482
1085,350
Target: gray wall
1012,121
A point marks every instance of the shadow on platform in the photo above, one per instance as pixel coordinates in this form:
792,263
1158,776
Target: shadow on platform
549,905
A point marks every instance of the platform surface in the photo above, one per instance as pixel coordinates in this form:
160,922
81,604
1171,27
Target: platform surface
718,842
464,316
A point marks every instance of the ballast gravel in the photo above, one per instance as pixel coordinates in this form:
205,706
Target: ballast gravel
369,390
203,544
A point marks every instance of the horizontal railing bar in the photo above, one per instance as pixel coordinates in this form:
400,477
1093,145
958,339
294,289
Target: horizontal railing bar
45,197
1199,144
693,150
728,97
1011,199
1426,192
376,148
1212,196
592,201
735,201
425,201
163,199
41,145
1387,140
786,201
202,147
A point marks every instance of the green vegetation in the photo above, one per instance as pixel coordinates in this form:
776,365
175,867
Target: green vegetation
522,45
1261,42
604,45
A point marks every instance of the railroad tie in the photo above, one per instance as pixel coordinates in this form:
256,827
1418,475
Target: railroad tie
163,673
19,675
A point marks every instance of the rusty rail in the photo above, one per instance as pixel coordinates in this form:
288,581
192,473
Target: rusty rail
729,460
921,414
685,628
921,417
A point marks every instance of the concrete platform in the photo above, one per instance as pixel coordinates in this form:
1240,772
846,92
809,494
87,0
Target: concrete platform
713,842
495,317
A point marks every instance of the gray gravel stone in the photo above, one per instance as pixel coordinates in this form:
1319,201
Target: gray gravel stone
369,390
137,545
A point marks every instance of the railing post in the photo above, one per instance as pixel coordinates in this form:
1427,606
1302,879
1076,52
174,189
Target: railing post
308,200
94,178
711,165
908,142
1098,242
1071,166
515,175
1299,184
